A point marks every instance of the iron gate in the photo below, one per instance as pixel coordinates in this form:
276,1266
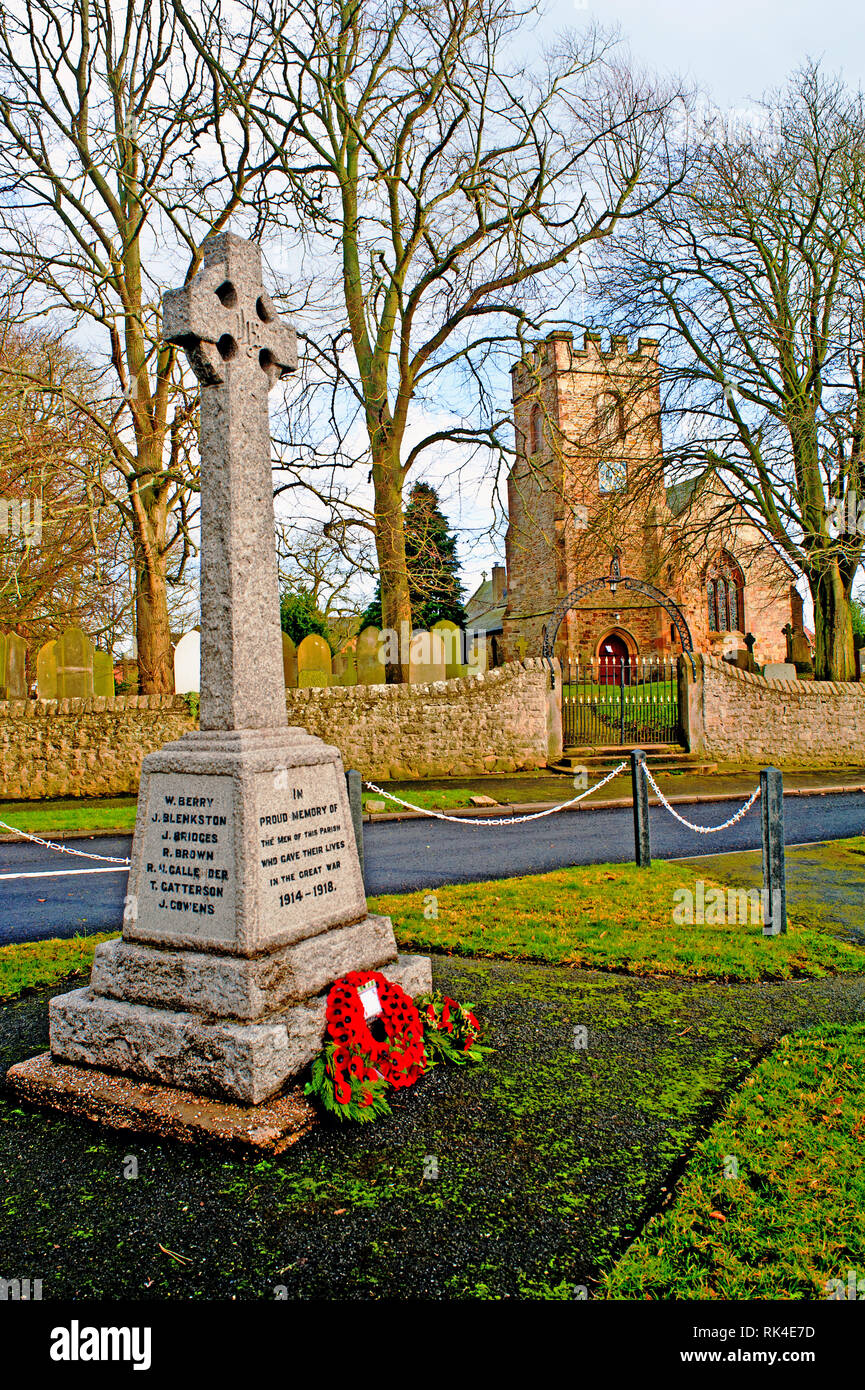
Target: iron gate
618,700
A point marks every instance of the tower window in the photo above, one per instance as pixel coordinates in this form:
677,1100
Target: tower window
536,430
609,417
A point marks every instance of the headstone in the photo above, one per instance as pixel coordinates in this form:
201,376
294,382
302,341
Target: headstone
103,675
476,653
452,637
289,662
313,661
345,668
779,671
74,665
245,895
46,672
16,667
370,666
426,658
187,664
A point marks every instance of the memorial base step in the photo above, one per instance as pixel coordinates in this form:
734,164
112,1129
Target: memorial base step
163,1112
243,1061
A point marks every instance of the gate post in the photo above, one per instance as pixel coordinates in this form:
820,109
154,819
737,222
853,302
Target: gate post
774,868
640,794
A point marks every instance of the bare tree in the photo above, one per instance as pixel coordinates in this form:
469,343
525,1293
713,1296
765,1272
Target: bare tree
61,551
442,190
752,273
117,158
326,566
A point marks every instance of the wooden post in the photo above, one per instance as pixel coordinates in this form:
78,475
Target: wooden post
640,793
774,870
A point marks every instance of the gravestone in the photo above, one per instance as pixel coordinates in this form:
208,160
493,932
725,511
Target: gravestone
313,661
451,635
74,665
476,653
289,662
46,671
345,668
187,664
426,658
780,671
16,667
370,666
103,675
245,894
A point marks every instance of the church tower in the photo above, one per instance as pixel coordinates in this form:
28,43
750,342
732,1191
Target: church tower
587,489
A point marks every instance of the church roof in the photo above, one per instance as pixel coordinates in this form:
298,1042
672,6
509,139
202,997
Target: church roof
680,494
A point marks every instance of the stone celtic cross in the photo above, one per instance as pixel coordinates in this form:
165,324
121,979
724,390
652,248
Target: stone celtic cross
238,347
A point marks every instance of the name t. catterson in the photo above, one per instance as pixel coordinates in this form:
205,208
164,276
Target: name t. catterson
77,1343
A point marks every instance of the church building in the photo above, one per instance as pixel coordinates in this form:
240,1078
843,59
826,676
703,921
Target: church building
588,497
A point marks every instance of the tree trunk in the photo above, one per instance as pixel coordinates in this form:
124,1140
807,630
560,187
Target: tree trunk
834,658
152,626
390,549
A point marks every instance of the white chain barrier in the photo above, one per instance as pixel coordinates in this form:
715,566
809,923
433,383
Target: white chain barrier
63,849
476,821
701,829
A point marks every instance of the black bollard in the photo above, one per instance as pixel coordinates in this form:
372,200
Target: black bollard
354,785
640,793
774,870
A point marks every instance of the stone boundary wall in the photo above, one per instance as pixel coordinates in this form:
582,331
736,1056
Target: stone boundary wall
504,720
736,716
65,748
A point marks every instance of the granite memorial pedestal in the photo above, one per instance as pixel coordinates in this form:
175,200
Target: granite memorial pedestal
246,899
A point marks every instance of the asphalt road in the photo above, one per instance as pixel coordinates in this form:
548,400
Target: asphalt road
415,854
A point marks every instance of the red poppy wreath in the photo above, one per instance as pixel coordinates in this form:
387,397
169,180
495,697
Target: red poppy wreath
377,1039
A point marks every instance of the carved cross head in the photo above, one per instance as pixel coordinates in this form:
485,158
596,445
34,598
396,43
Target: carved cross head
224,320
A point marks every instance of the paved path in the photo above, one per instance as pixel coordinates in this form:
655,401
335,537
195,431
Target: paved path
414,854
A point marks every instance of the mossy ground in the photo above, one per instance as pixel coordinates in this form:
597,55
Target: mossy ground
549,1158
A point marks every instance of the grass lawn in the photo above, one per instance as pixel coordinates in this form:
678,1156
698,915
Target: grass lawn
612,917
52,817
792,1214
601,916
429,798
37,964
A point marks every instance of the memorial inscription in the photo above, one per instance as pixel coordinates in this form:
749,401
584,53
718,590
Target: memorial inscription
189,857
307,856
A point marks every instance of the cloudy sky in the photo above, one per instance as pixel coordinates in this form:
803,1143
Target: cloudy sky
734,50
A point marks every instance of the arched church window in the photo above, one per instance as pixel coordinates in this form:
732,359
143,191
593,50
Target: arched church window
725,594
536,430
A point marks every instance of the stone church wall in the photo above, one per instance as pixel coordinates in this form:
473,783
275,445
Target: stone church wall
735,716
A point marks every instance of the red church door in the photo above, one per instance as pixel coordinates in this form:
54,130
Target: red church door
612,657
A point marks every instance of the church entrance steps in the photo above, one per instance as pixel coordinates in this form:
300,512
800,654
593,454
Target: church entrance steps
659,757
